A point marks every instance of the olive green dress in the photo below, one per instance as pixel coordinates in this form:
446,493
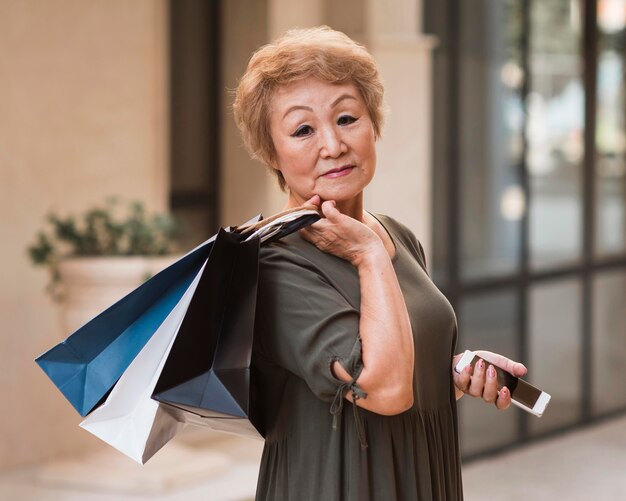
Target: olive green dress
318,446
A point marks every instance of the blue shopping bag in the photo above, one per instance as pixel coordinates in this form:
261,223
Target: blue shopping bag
87,364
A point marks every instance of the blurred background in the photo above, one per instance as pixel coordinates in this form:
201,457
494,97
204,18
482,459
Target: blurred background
504,151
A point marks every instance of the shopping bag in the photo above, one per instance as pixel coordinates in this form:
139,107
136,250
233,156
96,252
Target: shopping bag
130,420
206,377
86,365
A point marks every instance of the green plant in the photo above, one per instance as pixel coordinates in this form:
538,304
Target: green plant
103,231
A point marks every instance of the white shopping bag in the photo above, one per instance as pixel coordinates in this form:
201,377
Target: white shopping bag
130,420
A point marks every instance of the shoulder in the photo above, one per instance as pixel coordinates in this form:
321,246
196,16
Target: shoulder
283,266
289,251
294,263
293,259
402,233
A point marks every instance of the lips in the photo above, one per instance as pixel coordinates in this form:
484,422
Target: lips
338,172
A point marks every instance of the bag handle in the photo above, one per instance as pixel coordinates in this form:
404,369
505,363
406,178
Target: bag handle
268,221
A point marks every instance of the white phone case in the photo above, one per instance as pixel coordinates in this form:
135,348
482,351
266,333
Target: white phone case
541,403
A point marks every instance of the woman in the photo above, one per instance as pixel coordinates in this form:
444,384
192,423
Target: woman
346,310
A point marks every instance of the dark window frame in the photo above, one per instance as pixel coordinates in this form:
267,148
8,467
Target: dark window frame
442,17
202,199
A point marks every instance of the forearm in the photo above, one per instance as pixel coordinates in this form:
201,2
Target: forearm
386,338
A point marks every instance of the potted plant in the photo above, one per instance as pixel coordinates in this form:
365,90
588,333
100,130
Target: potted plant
97,257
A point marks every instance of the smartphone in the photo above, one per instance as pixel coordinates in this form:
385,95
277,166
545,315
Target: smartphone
523,394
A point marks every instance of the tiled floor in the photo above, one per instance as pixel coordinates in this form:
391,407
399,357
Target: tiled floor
585,465
218,468
589,464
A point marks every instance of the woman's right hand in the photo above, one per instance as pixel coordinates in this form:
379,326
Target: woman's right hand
482,381
384,328
342,235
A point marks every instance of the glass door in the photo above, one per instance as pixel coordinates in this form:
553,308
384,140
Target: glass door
530,200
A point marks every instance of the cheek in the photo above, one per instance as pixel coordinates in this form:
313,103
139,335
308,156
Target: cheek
367,145
283,155
284,147
294,161
373,155
292,153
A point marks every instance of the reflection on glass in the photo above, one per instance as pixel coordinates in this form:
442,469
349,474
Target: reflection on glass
610,130
491,137
555,106
554,351
609,342
488,322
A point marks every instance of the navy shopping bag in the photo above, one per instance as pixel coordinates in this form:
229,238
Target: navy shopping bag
206,377
87,364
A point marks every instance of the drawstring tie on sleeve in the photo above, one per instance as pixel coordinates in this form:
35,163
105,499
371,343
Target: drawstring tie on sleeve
336,407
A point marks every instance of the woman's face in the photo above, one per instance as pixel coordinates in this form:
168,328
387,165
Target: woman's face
324,140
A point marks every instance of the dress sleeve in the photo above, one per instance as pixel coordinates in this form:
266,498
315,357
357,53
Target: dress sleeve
304,324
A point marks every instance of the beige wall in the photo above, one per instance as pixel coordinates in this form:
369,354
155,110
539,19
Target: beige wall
403,183
82,116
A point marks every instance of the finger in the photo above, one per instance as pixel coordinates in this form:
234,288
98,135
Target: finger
478,380
462,380
314,231
305,233
504,399
490,391
515,368
330,211
456,359
320,223
314,200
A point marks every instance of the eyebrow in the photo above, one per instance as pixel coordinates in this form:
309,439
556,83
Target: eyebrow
294,108
332,105
341,98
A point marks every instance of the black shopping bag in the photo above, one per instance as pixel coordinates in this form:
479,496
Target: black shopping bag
206,377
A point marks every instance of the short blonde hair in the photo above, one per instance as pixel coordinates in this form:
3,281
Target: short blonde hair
321,52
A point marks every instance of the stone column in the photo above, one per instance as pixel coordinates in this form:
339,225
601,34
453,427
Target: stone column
403,183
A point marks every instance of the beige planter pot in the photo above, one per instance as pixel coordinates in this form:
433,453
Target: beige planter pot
91,284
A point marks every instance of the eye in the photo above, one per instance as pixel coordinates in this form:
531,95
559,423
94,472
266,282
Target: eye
346,120
303,130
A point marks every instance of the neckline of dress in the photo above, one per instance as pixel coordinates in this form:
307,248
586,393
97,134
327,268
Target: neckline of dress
393,239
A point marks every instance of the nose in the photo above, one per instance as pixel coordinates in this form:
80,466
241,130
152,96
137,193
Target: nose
332,144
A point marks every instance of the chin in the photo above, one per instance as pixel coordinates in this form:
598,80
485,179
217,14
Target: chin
340,197
343,194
